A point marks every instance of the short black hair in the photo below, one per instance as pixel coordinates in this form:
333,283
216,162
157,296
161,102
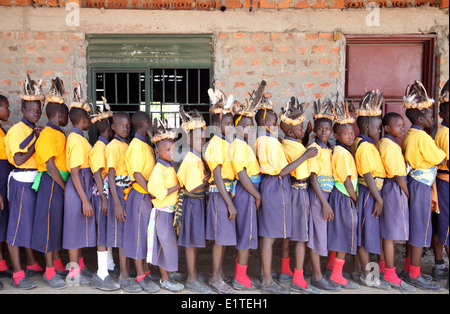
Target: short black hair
120,115
389,117
216,118
414,114
321,120
237,116
338,126
25,103
54,108
443,106
102,125
77,114
139,118
362,121
3,100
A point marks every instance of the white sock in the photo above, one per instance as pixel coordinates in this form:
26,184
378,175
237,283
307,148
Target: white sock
102,271
110,259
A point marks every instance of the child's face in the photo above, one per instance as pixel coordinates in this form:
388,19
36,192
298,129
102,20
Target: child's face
246,128
427,118
122,127
271,120
32,111
444,114
197,140
345,134
375,128
396,127
298,131
64,119
323,131
4,111
226,123
166,150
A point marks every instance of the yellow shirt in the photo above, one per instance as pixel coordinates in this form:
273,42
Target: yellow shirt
163,178
51,143
115,156
140,158
420,150
392,157
97,159
321,163
77,150
217,153
368,160
293,150
441,139
2,145
192,171
270,154
343,164
243,157
15,136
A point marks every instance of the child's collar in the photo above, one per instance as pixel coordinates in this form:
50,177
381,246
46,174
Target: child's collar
291,138
54,126
445,123
389,136
365,138
103,140
142,138
339,143
195,152
124,140
416,127
28,123
77,131
164,162
322,144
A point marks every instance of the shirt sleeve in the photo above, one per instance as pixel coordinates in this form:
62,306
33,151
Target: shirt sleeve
76,154
365,159
45,147
342,166
190,175
156,185
111,157
393,161
97,159
430,152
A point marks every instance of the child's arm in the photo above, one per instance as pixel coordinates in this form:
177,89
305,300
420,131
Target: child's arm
99,182
54,173
173,189
249,186
87,206
376,194
401,181
2,204
223,191
308,131
119,211
349,187
139,178
328,213
204,185
20,158
309,153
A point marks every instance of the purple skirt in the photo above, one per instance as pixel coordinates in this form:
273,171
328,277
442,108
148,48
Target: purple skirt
5,169
419,213
300,215
246,218
317,225
218,227
114,228
275,215
165,247
368,224
342,230
192,231
394,221
79,230
100,220
22,205
49,216
138,209
443,217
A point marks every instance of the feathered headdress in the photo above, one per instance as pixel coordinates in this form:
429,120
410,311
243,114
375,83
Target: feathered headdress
32,90
371,104
260,101
102,114
324,109
221,104
342,114
292,112
79,101
161,131
444,97
416,97
191,120
57,93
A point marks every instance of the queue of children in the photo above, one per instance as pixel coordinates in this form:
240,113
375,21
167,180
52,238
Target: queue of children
245,188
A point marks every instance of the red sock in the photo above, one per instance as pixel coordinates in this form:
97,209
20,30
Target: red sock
3,265
18,276
407,263
241,275
57,263
50,272
139,278
285,267
148,272
81,263
299,280
391,276
336,276
330,264
414,271
382,266
35,267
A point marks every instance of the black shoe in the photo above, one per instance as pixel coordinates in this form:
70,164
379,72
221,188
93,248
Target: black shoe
6,273
325,284
309,289
274,288
106,284
423,284
1,285
148,285
439,274
130,285
24,284
55,283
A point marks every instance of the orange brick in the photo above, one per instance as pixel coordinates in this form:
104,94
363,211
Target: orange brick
326,35
267,4
325,84
258,36
302,4
223,35
5,2
8,61
48,72
31,48
58,60
335,74
23,2
311,36
256,61
40,60
309,85
325,60
65,48
443,4
302,49
267,48
182,4
275,61
319,48
239,62
238,35
249,49
283,4
275,36
319,4
318,95
41,35
335,49
338,4
284,48
5,82
239,84
234,4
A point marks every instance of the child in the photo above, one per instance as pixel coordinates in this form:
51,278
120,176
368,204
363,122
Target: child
193,179
220,211
292,118
275,216
163,185
50,184
394,220
140,161
322,183
79,222
422,154
247,198
5,169
442,142
97,161
371,176
119,186
20,149
342,230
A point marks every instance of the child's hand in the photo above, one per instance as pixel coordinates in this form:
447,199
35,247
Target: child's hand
38,130
233,212
104,204
328,213
258,203
120,212
309,128
2,204
311,152
378,209
88,210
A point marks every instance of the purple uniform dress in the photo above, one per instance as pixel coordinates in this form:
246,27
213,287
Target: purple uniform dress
218,227
193,229
368,224
300,214
5,169
443,217
114,229
246,218
394,220
100,220
165,247
317,225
